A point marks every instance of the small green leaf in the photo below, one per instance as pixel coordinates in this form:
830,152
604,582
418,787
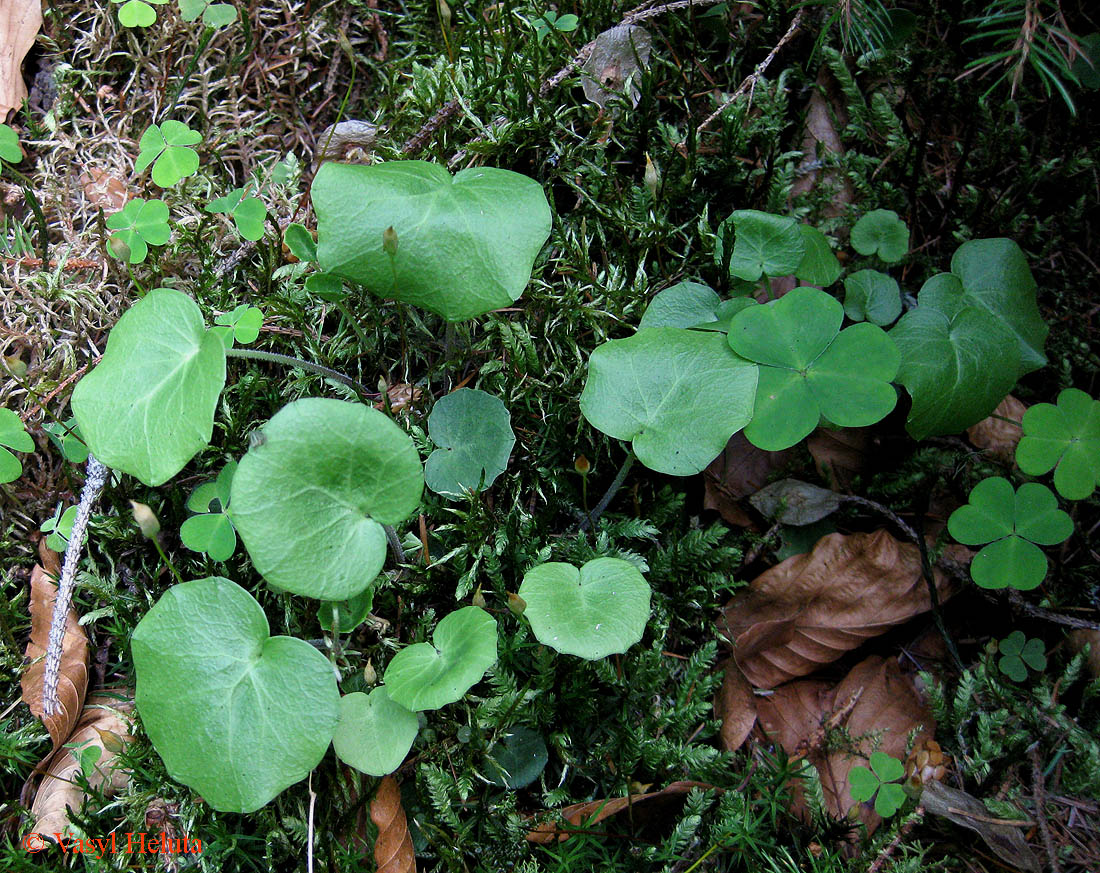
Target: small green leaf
259,711
887,768
474,433
140,224
326,286
1034,655
374,734
687,304
765,245
349,613
9,145
136,13
880,232
431,675
219,15
212,533
599,610
819,266
60,529
249,216
67,438
300,242
872,296
167,148
246,322
517,759
890,799
14,436
863,783
1064,438
1019,653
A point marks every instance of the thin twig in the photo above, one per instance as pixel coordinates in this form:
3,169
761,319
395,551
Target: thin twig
902,833
1038,794
320,369
616,484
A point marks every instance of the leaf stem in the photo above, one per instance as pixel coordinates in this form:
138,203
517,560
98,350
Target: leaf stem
320,369
609,495
164,557
364,343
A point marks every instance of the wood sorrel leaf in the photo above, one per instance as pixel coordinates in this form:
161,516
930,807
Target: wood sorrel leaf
599,610
236,714
465,244
880,232
374,734
149,405
872,296
678,394
431,675
474,433
14,436
765,245
310,499
1064,438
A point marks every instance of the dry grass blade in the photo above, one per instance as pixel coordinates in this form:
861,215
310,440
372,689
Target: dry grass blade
103,727
393,850
73,681
19,24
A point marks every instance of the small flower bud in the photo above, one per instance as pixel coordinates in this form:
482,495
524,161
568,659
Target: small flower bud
516,604
582,465
652,177
145,519
370,675
389,241
478,599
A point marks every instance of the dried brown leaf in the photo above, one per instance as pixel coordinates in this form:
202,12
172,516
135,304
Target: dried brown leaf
820,139
590,812
999,437
19,24
103,717
73,682
393,850
839,453
810,609
735,706
103,189
618,55
969,812
742,469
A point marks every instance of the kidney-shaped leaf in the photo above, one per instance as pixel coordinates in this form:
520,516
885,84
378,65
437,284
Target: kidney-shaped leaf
1065,438
431,675
149,405
810,368
310,499
599,610
236,714
678,394
474,433
872,296
686,304
765,244
880,232
464,244
374,734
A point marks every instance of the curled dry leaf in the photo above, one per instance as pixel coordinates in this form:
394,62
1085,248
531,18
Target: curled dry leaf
812,608
735,707
997,436
790,501
73,682
874,704
742,469
401,397
103,189
393,850
839,453
99,736
19,24
618,55
819,140
643,806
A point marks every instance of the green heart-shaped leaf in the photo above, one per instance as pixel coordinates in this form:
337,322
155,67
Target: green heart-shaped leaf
765,245
819,266
136,13
464,244
374,734
66,436
211,531
880,232
863,783
149,405
431,675
474,433
235,714
687,304
1065,438
246,322
349,613
219,15
14,436
872,296
810,368
9,145
167,147
140,224
517,759
310,500
599,610
678,394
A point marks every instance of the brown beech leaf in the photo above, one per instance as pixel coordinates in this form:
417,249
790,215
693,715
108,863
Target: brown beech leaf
19,24
999,437
839,453
393,850
102,726
735,706
644,807
874,704
73,682
742,469
810,609
969,812
103,189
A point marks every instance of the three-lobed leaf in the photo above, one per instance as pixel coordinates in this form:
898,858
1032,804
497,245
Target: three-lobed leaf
14,436
1018,653
245,321
248,213
1064,438
138,225
211,530
213,14
880,782
474,433
167,147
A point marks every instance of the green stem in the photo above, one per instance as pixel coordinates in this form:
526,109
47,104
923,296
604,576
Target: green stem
609,495
164,557
321,370
364,343
207,35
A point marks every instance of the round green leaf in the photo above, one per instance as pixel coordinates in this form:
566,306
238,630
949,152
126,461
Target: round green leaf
517,759
863,783
880,232
68,439
9,145
1033,655
349,613
599,610
246,322
219,15
678,394
249,216
886,767
1013,667
765,244
431,675
872,296
890,799
819,265
687,304
465,244
474,433
149,405
235,714
326,286
374,734
1065,438
988,516
12,433
1013,644
1009,563
310,500
136,13
210,533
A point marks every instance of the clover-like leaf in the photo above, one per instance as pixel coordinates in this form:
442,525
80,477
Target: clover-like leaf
463,245
881,779
167,147
246,322
765,245
679,395
310,499
349,614
872,296
517,759
66,436
9,145
431,675
880,232
374,734
59,526
300,242
211,529
474,433
809,368
819,266
259,711
14,436
686,304
137,13
1014,524
149,405
248,213
1019,653
213,14
599,610
1064,438
957,360
139,224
